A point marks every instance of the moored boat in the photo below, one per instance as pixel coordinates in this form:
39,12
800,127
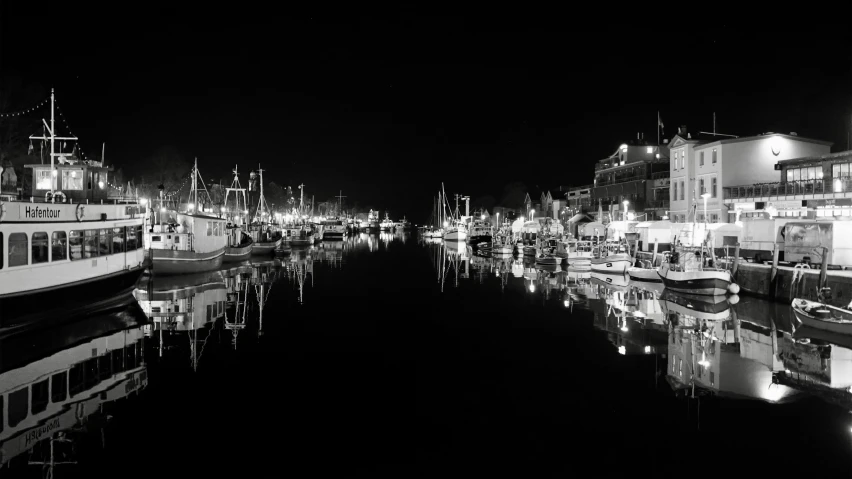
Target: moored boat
822,316
612,263
648,275
73,239
704,281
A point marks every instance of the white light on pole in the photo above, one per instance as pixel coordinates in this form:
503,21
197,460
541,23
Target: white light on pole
625,202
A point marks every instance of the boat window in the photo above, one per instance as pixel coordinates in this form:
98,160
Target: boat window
2,412
18,406
41,396
75,244
39,248
105,242
131,238
90,244
59,246
209,312
118,240
1,267
118,360
59,387
18,249
177,239
72,179
76,378
130,356
43,179
209,229
91,375
105,367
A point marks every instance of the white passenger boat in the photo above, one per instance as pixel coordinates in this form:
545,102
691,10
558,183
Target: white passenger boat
333,229
67,237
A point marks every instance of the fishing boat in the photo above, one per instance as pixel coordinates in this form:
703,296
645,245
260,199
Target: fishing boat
502,242
579,253
823,316
73,238
612,281
607,258
682,271
402,225
333,229
239,244
546,252
480,232
264,233
386,224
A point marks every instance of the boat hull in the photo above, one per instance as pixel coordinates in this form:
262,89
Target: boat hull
548,260
611,264
644,275
182,262
455,236
237,253
476,239
265,247
20,308
333,235
502,249
840,321
707,283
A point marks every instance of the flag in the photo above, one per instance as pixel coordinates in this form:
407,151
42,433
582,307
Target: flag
660,123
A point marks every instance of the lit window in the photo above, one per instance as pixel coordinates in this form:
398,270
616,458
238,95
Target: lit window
42,179
650,149
39,247
72,179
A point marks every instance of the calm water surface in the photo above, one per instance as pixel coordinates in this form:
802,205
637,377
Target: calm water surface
385,355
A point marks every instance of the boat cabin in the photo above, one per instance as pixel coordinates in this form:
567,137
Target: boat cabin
77,182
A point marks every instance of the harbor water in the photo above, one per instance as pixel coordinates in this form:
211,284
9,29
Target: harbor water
393,356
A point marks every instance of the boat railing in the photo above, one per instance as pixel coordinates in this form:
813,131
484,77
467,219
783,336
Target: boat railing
113,200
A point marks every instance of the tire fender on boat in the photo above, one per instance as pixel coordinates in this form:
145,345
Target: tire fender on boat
80,212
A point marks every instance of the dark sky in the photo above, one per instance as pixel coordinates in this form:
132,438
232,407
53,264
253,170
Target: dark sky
387,104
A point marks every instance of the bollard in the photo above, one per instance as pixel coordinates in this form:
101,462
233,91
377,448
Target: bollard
736,261
823,270
654,257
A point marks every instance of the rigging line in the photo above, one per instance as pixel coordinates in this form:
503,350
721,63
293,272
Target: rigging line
26,110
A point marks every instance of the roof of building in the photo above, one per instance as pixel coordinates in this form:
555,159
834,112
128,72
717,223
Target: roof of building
831,156
760,137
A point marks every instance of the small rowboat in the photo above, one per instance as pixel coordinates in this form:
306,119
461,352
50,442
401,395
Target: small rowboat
822,316
612,263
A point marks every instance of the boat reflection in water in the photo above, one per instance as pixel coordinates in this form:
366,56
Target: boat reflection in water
299,268
182,306
58,384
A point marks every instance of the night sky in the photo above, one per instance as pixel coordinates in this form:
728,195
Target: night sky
385,105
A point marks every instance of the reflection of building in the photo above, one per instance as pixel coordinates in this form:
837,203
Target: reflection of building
52,381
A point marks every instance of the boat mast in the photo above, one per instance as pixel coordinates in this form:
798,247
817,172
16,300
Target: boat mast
195,182
52,138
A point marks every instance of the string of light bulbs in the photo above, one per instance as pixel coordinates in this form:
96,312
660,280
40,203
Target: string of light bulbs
23,112
65,121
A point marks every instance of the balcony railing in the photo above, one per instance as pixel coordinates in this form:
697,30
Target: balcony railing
619,180
657,204
789,188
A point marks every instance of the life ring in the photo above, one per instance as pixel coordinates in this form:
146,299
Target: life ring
80,212
48,196
59,196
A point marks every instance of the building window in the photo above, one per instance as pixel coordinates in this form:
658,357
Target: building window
713,187
714,156
18,249
701,159
838,170
39,248
701,186
681,191
813,173
682,159
72,179
1,267
674,197
714,218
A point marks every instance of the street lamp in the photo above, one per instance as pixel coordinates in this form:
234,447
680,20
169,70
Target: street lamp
705,196
532,214
625,203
